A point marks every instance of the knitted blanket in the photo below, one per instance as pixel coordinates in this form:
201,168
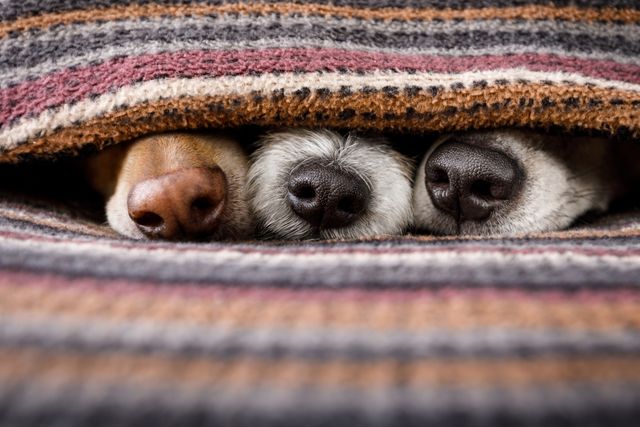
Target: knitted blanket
534,330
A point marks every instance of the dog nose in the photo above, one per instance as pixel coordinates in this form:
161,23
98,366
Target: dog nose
326,196
469,182
183,204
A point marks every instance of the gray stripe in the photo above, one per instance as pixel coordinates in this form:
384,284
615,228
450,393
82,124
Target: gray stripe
144,336
70,403
350,24
214,264
59,230
12,9
68,225
30,50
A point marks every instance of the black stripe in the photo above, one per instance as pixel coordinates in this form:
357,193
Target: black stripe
73,404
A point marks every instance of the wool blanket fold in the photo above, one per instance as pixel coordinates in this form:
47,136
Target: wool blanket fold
93,73
535,330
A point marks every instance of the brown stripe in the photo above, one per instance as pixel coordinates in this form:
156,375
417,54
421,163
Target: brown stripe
33,365
448,312
532,12
522,104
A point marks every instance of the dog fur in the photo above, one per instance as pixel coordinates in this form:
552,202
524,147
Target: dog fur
564,178
114,171
386,172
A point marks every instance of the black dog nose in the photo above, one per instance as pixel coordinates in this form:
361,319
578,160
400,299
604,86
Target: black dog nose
327,197
469,182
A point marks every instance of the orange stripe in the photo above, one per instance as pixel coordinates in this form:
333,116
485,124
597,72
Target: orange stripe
153,10
34,365
448,312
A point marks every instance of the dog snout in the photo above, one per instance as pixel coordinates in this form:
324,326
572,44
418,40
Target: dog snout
469,182
326,196
183,204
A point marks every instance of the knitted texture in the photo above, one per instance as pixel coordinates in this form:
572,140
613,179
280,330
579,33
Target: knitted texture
85,72
539,330
95,330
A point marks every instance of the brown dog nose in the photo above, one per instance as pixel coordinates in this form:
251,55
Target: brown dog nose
469,182
327,197
183,204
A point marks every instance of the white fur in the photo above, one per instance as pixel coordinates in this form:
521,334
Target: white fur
386,173
556,189
118,213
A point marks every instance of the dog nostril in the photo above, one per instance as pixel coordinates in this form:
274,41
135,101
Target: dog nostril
186,203
326,196
438,176
303,191
478,180
494,190
351,205
148,219
482,189
202,204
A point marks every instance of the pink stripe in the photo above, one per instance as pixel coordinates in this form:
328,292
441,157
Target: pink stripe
115,287
72,85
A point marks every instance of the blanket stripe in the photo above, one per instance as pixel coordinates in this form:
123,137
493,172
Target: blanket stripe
14,9
99,79
357,108
403,330
570,13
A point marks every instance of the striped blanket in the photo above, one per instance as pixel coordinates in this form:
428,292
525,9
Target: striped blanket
536,330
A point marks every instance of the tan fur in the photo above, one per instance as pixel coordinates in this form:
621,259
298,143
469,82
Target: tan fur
114,171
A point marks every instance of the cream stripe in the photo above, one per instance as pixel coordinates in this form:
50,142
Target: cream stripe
68,115
141,335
